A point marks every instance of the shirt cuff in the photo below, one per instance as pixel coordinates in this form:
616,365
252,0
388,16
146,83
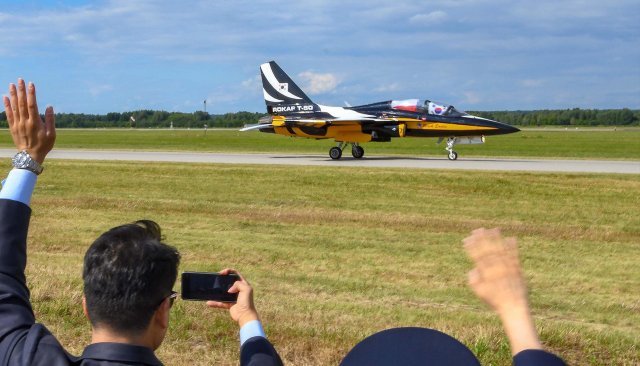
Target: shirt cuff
251,329
19,186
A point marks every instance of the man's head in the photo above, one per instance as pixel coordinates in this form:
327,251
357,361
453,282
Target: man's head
128,275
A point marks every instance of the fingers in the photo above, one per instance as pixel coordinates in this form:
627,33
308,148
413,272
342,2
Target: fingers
8,111
474,277
50,122
32,105
483,243
227,271
13,101
240,286
480,243
23,110
219,305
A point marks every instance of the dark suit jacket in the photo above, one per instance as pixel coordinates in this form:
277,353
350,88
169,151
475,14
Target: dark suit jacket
24,342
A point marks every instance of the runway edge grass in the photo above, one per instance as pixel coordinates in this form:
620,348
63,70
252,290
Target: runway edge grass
336,254
623,143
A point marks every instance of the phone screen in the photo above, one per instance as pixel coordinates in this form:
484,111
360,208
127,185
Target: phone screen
208,286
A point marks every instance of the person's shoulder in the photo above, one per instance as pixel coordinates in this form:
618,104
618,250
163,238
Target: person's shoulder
37,346
533,357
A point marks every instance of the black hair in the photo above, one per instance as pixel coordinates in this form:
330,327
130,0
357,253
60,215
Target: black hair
127,273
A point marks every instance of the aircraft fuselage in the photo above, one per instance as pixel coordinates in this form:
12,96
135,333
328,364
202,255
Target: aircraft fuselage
292,113
388,123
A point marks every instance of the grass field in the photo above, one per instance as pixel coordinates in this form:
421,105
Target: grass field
336,254
622,143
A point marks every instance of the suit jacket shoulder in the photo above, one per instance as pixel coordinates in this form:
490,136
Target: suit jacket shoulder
536,357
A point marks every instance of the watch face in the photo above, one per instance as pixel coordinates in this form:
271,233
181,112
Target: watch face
22,159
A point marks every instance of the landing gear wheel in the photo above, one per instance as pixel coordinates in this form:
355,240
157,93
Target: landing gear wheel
453,155
357,152
335,153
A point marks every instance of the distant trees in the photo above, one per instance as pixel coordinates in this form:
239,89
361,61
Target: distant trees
150,119
566,117
162,119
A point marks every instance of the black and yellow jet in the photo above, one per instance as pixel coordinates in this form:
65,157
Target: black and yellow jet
292,113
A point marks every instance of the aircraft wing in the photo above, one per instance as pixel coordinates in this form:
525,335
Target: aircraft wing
261,126
258,126
329,121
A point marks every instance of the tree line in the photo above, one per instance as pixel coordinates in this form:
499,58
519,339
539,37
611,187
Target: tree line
150,119
566,117
163,119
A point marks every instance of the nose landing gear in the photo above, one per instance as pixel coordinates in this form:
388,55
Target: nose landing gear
451,142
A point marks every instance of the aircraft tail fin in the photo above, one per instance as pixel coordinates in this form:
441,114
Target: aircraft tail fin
278,88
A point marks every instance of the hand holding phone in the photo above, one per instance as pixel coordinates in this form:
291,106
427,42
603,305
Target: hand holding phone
243,310
209,286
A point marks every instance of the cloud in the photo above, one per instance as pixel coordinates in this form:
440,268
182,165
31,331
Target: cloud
96,90
160,48
531,83
471,97
428,18
387,88
318,83
254,83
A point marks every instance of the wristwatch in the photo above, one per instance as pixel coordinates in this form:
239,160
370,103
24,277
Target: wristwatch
23,160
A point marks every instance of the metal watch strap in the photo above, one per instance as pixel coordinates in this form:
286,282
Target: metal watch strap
22,160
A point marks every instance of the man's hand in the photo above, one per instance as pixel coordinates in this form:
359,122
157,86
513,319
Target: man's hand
243,311
28,130
497,280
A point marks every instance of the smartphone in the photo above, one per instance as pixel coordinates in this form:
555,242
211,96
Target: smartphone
208,286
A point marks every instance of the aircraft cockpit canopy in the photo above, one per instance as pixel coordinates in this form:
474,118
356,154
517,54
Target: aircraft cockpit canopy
426,106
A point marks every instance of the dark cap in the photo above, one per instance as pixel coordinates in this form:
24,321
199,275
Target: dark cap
410,347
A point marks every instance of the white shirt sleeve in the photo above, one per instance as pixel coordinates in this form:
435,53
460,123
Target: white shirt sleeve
19,185
250,330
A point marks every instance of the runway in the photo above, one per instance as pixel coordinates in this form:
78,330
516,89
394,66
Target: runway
470,163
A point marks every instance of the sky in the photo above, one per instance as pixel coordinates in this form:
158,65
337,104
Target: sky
123,55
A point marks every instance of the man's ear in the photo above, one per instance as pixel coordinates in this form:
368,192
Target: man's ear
84,307
161,316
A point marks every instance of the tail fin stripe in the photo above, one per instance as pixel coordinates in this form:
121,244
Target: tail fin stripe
269,98
281,88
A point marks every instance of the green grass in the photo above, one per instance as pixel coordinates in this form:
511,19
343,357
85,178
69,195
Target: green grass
623,143
336,254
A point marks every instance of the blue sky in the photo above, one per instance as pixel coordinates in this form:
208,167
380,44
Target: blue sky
121,55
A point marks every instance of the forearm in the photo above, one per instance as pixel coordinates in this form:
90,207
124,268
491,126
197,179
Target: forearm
14,221
520,328
15,306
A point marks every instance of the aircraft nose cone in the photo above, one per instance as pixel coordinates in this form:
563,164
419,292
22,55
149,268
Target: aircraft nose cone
508,128
497,128
502,128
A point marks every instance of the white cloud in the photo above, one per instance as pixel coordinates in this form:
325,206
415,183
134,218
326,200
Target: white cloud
254,83
428,18
531,83
387,88
318,83
153,47
472,97
96,90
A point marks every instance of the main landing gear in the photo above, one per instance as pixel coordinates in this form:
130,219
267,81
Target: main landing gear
357,151
451,142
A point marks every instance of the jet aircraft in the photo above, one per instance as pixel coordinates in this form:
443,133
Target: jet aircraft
292,113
